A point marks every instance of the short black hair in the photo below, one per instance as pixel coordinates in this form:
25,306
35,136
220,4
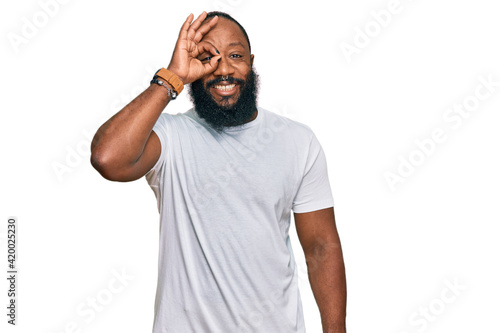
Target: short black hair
229,17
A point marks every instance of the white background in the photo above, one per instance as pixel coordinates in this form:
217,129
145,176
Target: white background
403,246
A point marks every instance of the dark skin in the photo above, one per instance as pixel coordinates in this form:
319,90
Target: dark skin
125,148
234,59
320,241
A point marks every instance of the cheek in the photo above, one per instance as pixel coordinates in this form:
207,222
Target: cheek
243,69
204,81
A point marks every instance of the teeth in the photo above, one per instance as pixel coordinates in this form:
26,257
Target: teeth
224,88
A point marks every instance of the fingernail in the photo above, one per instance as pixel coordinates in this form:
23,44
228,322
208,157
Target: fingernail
217,51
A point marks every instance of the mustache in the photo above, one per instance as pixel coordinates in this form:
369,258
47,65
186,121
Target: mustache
229,79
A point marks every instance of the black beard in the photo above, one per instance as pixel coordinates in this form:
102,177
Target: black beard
225,115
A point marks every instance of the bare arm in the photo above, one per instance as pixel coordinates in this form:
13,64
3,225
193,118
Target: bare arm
125,148
325,265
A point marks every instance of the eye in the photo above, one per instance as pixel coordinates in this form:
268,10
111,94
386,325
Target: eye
206,59
236,55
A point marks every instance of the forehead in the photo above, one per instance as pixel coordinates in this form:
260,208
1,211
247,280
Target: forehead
226,33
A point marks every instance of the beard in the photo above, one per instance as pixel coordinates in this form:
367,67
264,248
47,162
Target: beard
220,116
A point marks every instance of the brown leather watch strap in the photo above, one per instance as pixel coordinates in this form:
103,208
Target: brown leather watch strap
172,79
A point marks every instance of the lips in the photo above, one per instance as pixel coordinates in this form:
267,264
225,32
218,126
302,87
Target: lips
222,89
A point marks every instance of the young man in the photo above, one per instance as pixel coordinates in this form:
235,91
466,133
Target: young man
227,175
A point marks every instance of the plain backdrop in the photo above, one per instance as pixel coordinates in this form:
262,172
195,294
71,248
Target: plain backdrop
421,254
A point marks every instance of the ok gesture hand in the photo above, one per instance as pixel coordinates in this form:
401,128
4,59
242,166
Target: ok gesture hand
185,63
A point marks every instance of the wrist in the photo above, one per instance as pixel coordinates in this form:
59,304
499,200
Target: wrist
170,81
177,73
334,328
163,87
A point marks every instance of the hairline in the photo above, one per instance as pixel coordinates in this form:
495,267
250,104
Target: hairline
230,18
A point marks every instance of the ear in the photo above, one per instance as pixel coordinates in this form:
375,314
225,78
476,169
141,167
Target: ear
251,59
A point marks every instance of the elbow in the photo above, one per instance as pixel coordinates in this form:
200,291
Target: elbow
100,162
105,165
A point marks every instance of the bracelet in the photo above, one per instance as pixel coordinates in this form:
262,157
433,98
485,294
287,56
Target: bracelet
171,78
171,92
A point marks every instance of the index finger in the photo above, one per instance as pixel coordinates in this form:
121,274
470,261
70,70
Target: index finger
208,47
205,28
196,24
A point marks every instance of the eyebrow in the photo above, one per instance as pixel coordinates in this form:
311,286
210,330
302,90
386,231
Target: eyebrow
237,44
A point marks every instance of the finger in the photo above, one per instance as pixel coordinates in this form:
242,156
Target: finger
211,66
205,28
196,24
208,47
185,27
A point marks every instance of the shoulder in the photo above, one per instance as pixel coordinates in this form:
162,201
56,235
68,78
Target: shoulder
178,121
175,117
294,129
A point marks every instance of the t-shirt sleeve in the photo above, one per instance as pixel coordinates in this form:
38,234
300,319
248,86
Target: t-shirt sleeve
154,175
314,192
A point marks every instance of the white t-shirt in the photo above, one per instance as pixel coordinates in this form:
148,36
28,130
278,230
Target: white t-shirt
225,199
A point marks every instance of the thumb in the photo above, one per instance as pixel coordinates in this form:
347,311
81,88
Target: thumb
211,66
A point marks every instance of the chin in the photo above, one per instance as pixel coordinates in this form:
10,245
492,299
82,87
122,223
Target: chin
226,102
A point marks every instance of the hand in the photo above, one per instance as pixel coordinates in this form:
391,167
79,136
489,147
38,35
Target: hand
185,63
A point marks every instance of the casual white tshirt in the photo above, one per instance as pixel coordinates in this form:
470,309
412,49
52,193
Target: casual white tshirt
225,200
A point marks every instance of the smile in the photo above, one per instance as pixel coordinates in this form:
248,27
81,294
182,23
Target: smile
224,87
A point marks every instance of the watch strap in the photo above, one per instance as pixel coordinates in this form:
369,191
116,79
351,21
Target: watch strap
171,78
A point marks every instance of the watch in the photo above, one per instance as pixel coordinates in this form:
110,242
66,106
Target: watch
171,79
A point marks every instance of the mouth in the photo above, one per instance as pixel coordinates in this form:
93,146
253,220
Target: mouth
221,87
224,89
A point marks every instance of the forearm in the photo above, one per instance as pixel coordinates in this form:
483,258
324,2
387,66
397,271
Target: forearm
121,140
327,277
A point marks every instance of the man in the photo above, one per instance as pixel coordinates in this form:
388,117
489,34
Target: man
227,175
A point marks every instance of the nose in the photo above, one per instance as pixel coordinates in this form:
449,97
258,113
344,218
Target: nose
224,68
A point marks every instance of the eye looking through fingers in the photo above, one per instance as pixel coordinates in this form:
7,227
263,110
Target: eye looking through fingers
205,58
207,49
